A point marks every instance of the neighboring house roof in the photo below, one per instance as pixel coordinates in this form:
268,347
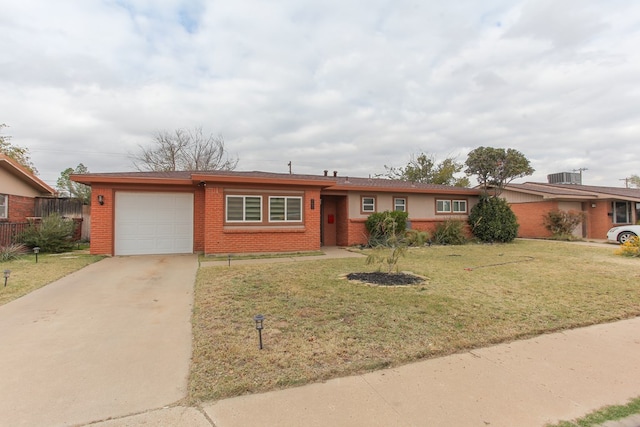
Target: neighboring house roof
575,191
329,183
23,174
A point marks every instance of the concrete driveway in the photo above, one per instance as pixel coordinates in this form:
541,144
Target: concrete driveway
109,340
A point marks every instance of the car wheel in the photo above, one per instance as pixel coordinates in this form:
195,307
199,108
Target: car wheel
624,236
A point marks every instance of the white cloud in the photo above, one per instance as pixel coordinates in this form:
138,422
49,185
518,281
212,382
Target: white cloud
349,86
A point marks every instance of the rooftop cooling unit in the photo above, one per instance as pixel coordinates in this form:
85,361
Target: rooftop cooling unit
564,178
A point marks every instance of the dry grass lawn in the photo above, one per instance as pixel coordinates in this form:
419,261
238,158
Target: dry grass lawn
27,276
320,326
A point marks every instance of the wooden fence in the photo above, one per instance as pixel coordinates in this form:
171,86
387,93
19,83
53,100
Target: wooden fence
64,206
9,231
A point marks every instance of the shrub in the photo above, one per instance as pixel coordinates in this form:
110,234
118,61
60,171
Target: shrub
388,256
13,251
630,248
492,220
385,228
53,234
562,223
450,232
416,238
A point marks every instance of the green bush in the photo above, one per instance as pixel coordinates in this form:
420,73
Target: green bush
53,234
386,228
492,220
562,223
450,232
13,251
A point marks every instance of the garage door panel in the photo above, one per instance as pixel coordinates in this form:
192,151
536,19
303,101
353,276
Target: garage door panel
153,223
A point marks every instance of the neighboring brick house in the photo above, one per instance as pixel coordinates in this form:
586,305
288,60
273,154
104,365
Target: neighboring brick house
604,207
18,190
223,212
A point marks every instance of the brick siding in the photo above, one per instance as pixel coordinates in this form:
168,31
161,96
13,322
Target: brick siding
20,208
530,218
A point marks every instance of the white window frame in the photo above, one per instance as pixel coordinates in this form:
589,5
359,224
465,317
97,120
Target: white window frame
286,218
446,206
403,205
4,206
457,209
451,206
244,208
368,207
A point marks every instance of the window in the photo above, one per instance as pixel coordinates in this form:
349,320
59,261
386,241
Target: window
451,206
244,208
621,212
368,204
400,204
285,208
459,206
4,203
443,206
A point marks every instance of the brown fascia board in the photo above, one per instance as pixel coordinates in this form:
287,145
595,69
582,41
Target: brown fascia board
401,190
20,172
194,179
104,179
554,191
228,179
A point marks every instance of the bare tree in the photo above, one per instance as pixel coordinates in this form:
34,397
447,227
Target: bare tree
184,149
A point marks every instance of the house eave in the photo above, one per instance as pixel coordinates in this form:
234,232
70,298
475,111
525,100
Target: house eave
24,175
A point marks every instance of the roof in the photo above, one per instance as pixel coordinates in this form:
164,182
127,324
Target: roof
331,183
575,191
23,174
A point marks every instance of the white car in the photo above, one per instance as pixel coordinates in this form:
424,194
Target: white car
623,233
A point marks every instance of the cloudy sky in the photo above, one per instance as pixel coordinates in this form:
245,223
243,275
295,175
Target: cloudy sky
349,85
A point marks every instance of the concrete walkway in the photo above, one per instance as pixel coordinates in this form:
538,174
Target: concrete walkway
533,382
329,252
109,340
553,377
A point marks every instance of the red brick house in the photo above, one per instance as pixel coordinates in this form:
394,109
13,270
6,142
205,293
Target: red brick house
223,212
18,190
604,207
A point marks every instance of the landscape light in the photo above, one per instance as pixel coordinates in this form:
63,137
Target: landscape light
7,273
36,251
259,318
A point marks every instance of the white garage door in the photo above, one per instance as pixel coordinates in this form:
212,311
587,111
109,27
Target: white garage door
153,223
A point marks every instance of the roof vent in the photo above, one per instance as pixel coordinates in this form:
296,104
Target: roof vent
335,173
564,178
326,172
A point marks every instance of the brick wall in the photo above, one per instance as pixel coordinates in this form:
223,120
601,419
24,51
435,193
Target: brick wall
221,239
20,208
199,219
102,231
598,219
530,217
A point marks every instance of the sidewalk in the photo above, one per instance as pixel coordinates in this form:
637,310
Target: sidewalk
552,377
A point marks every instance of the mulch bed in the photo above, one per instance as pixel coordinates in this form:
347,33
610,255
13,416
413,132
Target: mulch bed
386,279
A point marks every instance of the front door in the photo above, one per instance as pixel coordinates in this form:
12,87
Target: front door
329,221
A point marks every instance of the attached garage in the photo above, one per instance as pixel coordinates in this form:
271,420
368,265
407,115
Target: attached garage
153,223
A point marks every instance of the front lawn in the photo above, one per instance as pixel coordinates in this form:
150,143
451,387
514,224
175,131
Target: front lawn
27,275
319,325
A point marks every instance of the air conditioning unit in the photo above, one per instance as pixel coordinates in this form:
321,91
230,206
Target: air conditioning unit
564,178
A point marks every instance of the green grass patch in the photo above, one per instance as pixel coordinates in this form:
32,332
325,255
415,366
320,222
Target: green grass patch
320,326
27,275
610,413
